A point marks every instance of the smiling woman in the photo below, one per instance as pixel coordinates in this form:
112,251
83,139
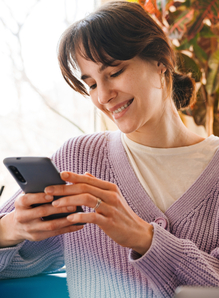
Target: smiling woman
119,40
149,191
116,43
130,92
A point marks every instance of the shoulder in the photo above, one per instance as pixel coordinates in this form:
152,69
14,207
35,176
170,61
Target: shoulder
78,153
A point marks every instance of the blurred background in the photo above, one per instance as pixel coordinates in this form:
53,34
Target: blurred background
39,111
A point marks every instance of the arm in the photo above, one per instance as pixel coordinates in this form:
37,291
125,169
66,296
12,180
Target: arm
114,216
171,262
164,259
24,222
26,240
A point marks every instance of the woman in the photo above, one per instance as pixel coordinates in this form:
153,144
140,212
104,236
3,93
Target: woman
149,191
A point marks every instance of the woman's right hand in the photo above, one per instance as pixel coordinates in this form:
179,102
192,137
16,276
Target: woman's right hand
25,223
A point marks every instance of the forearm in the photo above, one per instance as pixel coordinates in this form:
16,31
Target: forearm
171,262
31,258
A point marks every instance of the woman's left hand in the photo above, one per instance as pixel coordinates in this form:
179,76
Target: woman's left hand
113,216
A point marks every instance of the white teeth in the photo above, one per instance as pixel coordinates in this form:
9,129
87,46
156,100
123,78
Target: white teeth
122,108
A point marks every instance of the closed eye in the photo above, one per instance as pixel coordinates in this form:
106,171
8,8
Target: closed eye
117,73
92,86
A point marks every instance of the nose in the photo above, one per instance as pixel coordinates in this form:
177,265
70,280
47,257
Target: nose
105,92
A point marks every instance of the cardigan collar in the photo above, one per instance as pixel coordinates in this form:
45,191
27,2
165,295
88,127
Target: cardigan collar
138,198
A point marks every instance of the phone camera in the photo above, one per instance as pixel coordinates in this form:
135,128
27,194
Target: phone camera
17,174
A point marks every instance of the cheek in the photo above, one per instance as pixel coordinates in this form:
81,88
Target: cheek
100,107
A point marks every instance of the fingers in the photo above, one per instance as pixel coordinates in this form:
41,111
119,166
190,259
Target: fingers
86,194
95,189
27,223
51,225
41,211
87,185
76,189
91,217
41,230
84,199
86,179
27,200
25,212
88,174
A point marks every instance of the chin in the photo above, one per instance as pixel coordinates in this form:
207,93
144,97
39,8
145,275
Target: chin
126,129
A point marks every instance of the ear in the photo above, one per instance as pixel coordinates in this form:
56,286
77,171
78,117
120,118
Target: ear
161,67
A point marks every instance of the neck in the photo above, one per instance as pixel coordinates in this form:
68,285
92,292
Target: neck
167,131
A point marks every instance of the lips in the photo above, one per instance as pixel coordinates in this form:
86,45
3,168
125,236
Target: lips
123,107
119,108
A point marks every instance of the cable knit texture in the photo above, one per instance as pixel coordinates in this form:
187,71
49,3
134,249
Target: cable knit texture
185,253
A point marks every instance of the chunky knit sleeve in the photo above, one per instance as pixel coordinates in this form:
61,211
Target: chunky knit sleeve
29,258
171,262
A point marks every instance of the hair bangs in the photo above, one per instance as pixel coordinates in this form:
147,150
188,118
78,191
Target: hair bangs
92,46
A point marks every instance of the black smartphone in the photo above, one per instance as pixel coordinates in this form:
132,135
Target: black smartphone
33,174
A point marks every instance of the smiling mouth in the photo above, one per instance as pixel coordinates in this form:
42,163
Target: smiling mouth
123,107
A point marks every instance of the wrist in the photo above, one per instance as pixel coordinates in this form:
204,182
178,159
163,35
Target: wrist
145,239
7,238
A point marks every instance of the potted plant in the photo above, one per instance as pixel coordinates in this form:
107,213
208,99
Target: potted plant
193,28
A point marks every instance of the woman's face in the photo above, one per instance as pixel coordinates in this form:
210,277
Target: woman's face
129,93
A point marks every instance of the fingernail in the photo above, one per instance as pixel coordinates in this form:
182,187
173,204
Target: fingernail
64,175
88,174
71,208
70,217
55,203
49,190
48,197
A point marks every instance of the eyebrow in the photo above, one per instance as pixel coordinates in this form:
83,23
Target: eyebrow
102,67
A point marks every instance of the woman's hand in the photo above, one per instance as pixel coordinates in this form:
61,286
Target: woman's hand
113,216
25,223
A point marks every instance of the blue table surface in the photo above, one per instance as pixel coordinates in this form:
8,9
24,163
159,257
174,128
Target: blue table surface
40,286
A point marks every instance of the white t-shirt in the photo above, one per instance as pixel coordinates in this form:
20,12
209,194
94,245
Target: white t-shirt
166,173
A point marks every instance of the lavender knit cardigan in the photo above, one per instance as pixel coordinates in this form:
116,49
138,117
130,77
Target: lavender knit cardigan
186,252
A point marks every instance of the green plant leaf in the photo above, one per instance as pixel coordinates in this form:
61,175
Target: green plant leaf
185,45
187,3
206,32
207,10
196,26
179,27
212,83
188,65
200,53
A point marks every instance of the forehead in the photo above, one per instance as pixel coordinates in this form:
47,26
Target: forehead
86,65
96,55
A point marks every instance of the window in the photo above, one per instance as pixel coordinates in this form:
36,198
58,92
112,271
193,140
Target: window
38,110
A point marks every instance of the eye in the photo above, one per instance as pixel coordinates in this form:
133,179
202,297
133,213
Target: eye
117,73
92,86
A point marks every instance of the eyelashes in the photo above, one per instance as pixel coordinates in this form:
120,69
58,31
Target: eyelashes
93,86
117,73
114,75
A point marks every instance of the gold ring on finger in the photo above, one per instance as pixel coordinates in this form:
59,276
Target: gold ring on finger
98,204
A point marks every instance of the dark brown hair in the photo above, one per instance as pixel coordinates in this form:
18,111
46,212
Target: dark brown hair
121,30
